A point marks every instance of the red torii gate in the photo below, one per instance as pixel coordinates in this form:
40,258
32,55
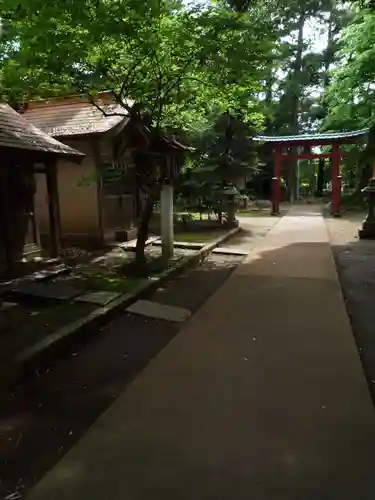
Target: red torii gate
307,141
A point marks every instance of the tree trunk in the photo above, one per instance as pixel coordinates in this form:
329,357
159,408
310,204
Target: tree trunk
366,160
320,179
143,227
328,54
290,177
295,101
269,97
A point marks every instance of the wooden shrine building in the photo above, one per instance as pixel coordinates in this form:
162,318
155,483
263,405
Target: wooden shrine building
297,147
24,151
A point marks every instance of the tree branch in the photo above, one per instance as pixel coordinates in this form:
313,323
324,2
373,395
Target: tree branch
105,113
179,77
208,84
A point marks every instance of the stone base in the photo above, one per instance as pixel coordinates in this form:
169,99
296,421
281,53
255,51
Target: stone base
368,231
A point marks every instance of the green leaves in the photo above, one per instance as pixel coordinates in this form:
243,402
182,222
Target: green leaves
350,97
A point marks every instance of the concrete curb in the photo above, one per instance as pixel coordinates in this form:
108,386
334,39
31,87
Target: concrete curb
56,343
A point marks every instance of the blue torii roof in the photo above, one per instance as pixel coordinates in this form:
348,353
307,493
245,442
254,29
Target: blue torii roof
327,137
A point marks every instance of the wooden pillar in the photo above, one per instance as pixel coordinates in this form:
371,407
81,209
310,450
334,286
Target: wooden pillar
276,181
53,208
6,223
336,180
99,187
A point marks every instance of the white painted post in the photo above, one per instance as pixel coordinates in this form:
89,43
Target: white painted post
166,202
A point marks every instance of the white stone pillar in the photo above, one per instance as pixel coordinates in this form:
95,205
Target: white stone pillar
166,202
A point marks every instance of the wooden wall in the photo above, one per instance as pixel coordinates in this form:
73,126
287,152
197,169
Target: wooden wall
77,194
90,209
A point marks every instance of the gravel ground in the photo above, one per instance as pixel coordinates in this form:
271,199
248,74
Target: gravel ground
355,261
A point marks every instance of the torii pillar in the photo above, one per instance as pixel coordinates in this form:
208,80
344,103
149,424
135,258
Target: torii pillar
336,180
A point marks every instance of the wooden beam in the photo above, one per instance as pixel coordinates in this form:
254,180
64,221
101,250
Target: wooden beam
53,208
310,156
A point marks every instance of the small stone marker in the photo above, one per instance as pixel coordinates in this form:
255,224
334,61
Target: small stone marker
159,311
101,298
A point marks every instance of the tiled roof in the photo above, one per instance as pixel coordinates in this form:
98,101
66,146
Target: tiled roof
312,137
17,133
74,116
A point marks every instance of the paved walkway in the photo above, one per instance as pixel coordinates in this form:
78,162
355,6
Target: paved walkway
260,397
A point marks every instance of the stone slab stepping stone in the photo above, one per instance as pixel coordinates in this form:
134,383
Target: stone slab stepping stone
7,306
100,298
41,275
57,291
229,251
159,311
46,274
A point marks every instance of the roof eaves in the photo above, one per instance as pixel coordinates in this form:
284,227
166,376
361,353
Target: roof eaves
312,137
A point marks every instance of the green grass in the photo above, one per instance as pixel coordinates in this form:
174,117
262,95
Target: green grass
198,236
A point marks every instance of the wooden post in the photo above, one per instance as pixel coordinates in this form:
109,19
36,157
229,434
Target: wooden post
6,223
99,187
53,208
276,181
336,180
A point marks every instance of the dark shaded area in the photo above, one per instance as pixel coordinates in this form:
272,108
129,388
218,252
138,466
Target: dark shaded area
267,408
355,264
45,416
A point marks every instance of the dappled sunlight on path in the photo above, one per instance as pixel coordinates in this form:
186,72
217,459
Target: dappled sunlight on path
260,396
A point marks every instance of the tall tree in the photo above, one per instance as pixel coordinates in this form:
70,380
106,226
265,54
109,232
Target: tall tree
169,67
299,73
351,94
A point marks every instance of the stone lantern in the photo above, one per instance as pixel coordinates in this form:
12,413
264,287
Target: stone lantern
368,225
